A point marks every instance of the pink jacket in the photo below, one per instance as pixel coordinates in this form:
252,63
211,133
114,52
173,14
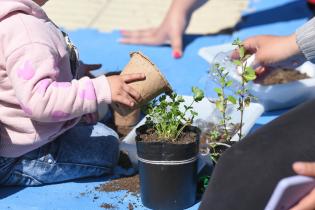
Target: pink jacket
39,97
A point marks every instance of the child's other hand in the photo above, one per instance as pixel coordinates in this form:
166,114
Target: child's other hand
87,68
123,93
91,118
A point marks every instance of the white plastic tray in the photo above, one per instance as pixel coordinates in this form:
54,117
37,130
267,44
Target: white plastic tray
206,113
273,96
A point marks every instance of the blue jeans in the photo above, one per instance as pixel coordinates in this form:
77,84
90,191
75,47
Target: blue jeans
83,151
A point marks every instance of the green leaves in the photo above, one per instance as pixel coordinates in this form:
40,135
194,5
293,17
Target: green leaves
168,118
232,99
198,94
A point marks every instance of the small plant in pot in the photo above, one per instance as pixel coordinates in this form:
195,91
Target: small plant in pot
167,147
220,134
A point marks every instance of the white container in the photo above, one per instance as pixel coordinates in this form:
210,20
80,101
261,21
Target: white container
272,97
206,113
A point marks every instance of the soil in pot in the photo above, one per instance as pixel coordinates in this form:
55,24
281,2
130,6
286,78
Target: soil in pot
219,149
281,76
149,135
221,146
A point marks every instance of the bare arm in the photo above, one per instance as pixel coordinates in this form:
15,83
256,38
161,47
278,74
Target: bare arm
170,30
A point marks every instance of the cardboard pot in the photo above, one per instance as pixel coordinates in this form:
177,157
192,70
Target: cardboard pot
154,84
124,124
168,172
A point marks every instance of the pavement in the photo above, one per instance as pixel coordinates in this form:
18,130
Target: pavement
108,15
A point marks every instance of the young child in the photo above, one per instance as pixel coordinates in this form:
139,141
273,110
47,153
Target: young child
42,100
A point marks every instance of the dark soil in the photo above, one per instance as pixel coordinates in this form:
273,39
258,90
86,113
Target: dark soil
281,76
107,206
130,206
124,160
131,184
184,138
220,149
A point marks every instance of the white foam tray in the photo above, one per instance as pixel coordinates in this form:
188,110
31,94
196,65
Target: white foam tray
273,96
207,112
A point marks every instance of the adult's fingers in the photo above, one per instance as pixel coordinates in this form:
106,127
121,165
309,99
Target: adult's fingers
304,168
128,78
137,33
149,39
307,203
177,45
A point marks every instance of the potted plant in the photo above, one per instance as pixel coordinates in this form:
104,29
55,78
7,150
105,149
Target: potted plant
167,147
221,133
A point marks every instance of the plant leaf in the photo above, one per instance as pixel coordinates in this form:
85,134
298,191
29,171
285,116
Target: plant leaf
218,91
237,62
232,99
198,94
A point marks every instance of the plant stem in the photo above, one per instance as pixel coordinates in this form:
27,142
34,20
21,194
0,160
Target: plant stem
242,99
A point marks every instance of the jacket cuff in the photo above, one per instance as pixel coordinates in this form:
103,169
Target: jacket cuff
305,37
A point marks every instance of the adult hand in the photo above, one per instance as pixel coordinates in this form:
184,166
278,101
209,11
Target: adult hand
123,93
170,31
274,51
306,169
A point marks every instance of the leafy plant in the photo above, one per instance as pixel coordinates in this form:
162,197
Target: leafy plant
240,98
222,101
247,74
166,117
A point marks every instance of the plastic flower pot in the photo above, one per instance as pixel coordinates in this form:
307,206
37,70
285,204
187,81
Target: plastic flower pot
154,84
168,172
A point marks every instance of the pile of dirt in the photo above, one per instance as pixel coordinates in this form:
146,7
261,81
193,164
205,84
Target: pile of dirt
281,76
131,184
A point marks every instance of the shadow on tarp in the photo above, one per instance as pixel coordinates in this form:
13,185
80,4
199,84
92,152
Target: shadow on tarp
7,191
286,12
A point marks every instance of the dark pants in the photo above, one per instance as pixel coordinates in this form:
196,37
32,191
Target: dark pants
247,174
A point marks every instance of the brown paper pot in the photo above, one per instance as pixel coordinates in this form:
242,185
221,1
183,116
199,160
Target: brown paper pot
154,84
124,124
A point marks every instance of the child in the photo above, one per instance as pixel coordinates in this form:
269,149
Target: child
42,99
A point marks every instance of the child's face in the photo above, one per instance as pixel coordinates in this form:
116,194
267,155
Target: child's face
40,2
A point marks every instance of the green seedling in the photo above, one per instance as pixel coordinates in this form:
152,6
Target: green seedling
166,117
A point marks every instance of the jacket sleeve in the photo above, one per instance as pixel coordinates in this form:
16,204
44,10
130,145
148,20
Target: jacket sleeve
305,38
34,74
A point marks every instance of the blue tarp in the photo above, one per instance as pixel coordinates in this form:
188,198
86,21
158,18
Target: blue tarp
280,17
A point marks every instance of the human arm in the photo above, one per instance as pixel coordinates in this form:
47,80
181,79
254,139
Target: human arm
306,169
47,94
274,51
283,51
170,30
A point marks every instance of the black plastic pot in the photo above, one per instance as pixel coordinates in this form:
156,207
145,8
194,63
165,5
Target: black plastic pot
168,172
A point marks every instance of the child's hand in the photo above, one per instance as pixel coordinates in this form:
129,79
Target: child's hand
121,92
91,118
87,68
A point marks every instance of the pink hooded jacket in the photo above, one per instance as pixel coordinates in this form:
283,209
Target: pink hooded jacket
39,97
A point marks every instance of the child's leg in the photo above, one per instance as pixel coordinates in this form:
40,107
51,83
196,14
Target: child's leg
83,151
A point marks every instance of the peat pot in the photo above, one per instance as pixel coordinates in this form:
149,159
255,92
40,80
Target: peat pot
168,171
